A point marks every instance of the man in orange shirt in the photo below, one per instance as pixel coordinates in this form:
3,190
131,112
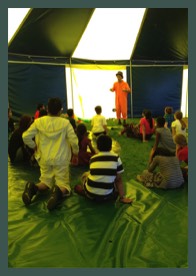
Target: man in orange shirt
121,89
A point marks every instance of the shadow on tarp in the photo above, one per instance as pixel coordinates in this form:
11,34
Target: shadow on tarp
152,232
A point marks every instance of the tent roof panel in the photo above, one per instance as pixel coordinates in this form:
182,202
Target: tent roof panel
164,36
51,32
48,33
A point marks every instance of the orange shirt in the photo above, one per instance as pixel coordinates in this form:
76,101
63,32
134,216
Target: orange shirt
121,96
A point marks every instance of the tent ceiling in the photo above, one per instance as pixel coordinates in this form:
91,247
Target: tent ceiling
51,32
56,33
164,36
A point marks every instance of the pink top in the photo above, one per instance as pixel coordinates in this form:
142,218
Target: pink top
146,124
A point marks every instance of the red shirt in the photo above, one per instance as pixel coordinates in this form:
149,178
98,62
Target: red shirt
36,114
182,154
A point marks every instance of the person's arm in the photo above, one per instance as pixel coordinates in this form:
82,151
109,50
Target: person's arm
173,128
73,140
173,131
112,89
119,186
157,139
105,128
126,89
153,164
91,147
29,135
143,133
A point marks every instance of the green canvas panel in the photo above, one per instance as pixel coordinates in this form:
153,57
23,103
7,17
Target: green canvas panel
51,32
163,38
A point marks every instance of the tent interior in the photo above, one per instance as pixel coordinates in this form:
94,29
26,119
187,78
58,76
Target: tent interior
74,54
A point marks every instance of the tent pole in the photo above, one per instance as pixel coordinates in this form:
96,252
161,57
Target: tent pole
131,90
71,84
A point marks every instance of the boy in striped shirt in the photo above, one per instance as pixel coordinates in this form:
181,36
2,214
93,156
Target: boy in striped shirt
103,182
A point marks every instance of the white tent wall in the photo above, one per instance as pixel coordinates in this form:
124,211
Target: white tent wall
88,87
184,99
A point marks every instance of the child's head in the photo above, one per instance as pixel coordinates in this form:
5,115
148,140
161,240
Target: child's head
25,122
104,143
180,140
178,115
168,110
98,109
81,130
147,113
144,112
160,121
70,112
54,106
42,113
40,106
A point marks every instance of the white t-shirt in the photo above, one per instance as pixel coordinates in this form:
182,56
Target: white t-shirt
97,123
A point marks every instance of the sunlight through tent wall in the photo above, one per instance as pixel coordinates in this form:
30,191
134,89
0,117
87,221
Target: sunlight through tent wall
91,87
15,18
184,99
110,34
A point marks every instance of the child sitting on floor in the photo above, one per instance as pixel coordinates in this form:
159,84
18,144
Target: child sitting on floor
182,153
98,122
17,150
84,144
178,125
164,144
169,175
103,182
144,130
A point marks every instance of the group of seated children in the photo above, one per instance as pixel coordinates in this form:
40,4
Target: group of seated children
103,180
17,150
165,156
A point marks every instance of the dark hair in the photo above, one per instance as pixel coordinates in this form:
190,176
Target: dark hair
148,116
70,112
43,112
104,142
81,130
54,106
39,106
24,123
179,116
160,121
98,109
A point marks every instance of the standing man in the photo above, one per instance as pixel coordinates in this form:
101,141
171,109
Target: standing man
121,89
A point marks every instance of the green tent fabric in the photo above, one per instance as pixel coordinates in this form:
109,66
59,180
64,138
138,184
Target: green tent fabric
150,233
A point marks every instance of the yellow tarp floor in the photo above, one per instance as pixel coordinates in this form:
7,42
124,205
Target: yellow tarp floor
152,232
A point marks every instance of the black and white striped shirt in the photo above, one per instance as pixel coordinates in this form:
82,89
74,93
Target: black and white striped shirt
104,167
